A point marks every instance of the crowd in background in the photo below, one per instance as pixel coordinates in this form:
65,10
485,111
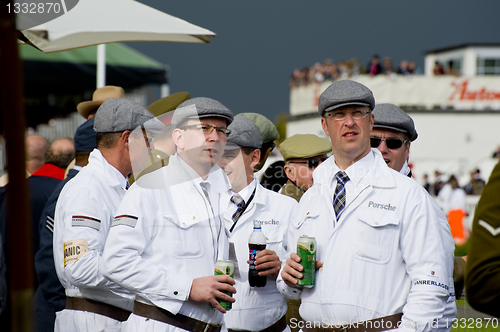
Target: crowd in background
331,70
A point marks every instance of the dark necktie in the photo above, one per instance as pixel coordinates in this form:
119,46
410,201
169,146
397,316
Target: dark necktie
340,196
240,203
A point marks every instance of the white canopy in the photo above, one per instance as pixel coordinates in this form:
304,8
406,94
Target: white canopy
93,22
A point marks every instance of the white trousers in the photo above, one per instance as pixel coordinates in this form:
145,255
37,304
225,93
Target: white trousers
83,321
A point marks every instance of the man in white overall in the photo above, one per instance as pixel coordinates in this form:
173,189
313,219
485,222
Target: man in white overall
168,230
384,249
256,308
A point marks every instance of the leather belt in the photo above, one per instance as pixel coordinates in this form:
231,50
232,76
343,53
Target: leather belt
96,307
179,320
372,325
279,326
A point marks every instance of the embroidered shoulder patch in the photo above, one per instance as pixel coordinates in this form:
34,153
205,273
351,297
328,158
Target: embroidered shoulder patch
125,219
86,221
74,250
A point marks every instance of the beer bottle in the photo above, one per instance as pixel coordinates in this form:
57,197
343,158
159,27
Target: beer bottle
256,243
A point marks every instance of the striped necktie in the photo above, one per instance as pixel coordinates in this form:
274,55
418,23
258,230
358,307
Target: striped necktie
340,197
240,203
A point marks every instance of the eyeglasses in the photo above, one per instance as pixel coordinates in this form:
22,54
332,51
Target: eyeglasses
208,129
391,143
341,115
311,163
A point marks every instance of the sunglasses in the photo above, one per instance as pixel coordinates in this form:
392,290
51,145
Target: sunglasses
311,163
391,143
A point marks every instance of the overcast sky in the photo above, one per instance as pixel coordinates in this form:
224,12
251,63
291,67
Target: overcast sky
259,43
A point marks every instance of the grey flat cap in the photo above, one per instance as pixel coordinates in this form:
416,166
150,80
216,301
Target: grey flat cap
343,93
118,114
200,107
268,130
389,116
244,133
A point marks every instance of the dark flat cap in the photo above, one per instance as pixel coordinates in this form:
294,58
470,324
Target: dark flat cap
200,107
117,114
344,93
268,130
85,137
244,133
304,146
389,116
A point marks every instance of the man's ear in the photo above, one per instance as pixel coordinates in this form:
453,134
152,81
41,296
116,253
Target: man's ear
324,126
178,138
290,172
125,138
255,158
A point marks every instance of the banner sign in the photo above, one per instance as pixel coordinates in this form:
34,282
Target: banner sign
424,92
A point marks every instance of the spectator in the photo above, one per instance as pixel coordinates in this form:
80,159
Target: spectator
87,109
457,211
35,148
438,69
302,154
476,184
426,184
374,67
403,68
388,67
412,68
343,70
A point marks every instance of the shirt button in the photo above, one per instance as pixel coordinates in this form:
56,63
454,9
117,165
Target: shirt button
376,223
176,292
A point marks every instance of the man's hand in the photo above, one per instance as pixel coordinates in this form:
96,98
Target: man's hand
292,270
270,262
209,289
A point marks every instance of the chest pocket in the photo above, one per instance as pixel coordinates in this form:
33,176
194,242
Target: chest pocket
375,237
184,234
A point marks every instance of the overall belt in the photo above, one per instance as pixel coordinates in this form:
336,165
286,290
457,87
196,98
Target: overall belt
372,325
96,307
179,320
279,326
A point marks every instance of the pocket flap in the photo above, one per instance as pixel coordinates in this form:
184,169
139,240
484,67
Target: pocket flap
303,215
377,220
182,220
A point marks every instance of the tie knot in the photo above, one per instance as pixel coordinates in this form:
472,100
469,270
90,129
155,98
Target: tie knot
341,177
236,199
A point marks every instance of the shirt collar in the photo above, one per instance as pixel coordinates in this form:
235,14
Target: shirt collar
405,170
246,192
114,177
217,179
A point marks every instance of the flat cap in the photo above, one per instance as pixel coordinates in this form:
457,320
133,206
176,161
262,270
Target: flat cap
344,93
267,129
85,137
200,107
304,146
163,108
117,114
389,116
244,133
